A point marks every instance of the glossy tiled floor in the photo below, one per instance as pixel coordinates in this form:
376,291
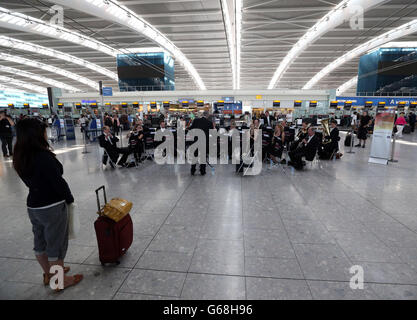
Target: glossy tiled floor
279,235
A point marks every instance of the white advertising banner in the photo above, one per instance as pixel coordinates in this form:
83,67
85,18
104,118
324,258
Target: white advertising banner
381,141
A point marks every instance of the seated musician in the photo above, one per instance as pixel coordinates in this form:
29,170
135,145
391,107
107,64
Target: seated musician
288,136
109,143
327,150
182,123
306,148
232,130
276,146
301,135
253,135
163,128
256,124
135,138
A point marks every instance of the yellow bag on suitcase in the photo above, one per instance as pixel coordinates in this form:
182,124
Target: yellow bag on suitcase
116,209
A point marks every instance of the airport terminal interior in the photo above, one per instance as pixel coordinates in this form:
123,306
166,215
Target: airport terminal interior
312,199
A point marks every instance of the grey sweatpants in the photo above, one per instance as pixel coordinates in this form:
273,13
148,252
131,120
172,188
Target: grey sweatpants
50,230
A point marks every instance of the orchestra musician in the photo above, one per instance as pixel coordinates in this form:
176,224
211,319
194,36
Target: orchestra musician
109,142
301,135
135,138
232,131
276,146
306,148
332,147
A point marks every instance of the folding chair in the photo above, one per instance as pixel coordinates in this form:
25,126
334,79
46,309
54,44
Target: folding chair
148,148
243,164
213,170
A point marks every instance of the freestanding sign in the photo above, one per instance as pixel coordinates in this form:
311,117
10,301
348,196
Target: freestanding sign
381,141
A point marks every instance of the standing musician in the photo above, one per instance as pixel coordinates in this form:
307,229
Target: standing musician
306,148
276,146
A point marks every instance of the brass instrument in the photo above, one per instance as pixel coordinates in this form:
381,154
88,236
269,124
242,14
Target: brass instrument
326,131
296,144
302,131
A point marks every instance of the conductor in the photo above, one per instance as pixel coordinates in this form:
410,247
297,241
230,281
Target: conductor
205,125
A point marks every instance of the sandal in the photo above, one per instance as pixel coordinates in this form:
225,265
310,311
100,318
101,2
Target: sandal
47,277
76,279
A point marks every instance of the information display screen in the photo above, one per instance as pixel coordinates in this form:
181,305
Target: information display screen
333,104
369,104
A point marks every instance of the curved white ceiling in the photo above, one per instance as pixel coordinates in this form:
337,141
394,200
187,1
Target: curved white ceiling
47,67
401,31
34,48
3,87
23,84
239,4
22,22
344,11
33,76
112,10
230,40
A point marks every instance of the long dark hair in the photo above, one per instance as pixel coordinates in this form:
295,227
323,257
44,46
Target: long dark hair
30,139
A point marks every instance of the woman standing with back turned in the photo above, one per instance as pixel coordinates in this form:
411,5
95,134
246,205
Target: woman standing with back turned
48,197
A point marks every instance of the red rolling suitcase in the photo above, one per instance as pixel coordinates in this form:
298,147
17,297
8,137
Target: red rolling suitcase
113,238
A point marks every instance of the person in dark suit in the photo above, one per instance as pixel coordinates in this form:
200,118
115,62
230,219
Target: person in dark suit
327,150
109,143
6,134
268,120
135,138
301,135
307,148
412,121
203,124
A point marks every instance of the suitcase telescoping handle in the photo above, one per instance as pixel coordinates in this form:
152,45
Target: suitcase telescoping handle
98,198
